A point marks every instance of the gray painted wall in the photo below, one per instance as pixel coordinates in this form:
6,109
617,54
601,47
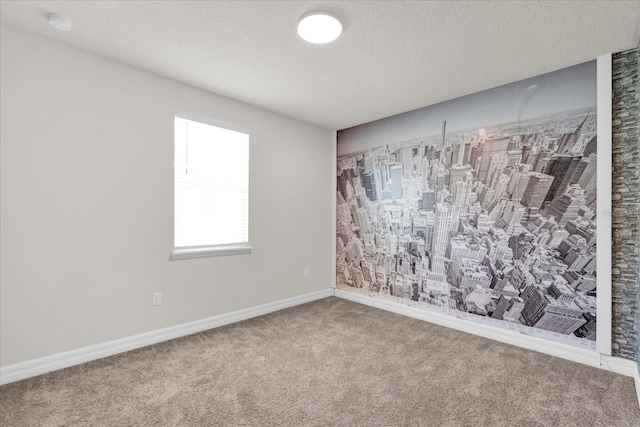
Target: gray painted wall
87,203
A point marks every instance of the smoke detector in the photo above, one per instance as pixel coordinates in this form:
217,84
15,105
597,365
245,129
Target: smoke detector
58,22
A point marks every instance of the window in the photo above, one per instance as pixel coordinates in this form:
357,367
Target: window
211,190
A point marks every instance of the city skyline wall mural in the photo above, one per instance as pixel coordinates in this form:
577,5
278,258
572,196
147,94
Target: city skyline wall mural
482,207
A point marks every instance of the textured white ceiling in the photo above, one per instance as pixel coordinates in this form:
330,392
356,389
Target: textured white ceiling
393,56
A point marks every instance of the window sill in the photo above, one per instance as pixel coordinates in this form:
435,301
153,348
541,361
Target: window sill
209,251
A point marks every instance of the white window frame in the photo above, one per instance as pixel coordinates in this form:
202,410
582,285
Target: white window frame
210,250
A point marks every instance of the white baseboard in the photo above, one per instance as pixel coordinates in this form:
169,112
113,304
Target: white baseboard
31,368
564,351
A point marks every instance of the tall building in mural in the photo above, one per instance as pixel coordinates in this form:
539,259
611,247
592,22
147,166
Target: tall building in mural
495,218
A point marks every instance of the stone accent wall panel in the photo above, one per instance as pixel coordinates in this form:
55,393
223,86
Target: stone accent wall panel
626,202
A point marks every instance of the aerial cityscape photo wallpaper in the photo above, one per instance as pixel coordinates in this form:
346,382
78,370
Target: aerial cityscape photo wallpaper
482,207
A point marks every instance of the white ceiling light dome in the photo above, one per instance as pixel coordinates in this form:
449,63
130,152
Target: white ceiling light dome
319,27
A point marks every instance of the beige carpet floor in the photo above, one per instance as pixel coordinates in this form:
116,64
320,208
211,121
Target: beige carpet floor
327,363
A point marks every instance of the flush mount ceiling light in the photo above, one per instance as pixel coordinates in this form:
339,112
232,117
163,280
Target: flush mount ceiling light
58,22
319,27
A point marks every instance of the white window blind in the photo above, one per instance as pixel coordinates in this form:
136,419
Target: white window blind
211,186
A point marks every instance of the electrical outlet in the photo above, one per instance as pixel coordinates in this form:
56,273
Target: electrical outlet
307,273
156,298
